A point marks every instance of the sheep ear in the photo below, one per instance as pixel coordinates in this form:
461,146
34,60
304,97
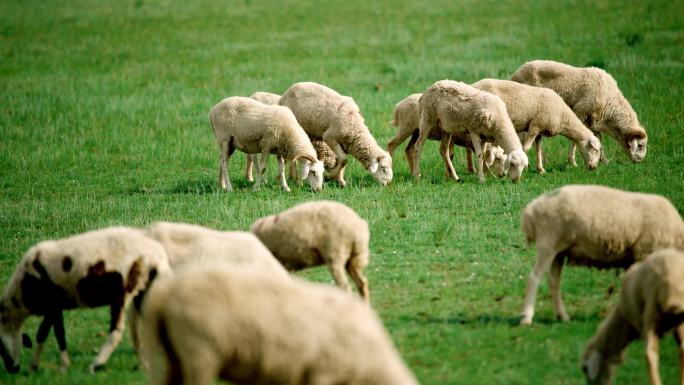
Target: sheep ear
595,143
592,365
507,163
633,145
306,166
26,341
373,166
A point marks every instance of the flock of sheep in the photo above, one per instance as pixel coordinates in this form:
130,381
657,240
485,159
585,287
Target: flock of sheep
206,304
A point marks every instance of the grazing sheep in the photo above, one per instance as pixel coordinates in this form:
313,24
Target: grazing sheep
336,119
594,226
266,98
595,98
253,127
244,326
186,243
651,304
317,233
459,108
537,111
108,267
406,118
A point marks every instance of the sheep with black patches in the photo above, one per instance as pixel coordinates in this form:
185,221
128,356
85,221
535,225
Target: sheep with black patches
107,267
651,304
335,119
212,321
256,128
406,118
459,108
537,112
186,243
594,226
594,96
317,233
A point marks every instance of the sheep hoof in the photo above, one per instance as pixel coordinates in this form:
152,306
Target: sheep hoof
563,318
526,321
286,189
541,171
96,368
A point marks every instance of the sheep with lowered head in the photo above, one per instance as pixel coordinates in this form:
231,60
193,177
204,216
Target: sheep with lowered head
336,119
256,128
317,233
107,267
245,326
594,226
651,304
537,112
459,108
266,98
406,118
594,96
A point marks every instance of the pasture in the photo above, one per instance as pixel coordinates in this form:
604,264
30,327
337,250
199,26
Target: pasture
103,121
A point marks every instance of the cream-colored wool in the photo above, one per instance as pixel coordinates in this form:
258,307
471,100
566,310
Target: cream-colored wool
406,118
107,267
651,304
594,96
462,109
243,326
266,98
317,233
537,112
256,128
336,119
594,226
186,243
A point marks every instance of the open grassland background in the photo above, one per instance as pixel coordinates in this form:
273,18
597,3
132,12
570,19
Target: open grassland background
103,121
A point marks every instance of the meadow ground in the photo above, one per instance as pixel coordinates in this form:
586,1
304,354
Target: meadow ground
103,121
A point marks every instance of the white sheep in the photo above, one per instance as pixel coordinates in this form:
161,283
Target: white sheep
651,304
244,326
186,243
406,118
594,226
107,267
266,98
256,128
594,96
459,108
336,120
537,112
317,233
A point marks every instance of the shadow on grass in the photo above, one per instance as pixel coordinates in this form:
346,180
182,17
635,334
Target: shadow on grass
199,186
490,319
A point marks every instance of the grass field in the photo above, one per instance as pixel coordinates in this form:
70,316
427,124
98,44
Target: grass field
103,121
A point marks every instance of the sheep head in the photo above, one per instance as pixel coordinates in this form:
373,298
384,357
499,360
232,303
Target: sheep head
591,152
11,337
311,170
381,168
515,164
597,369
637,145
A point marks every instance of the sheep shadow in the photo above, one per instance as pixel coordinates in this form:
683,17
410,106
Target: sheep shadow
487,319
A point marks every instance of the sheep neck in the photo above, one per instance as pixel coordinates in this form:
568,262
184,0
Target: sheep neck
613,336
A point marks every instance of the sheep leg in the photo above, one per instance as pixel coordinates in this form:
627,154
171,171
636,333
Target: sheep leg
545,257
571,154
554,284
444,152
469,160
540,155
425,126
224,160
355,266
604,158
652,345
337,172
116,330
400,137
261,168
281,174
411,149
336,262
679,337
60,335
41,337
477,146
248,168
294,174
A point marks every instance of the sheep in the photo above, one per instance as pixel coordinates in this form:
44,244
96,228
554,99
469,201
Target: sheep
316,233
594,226
460,108
537,111
244,326
651,303
107,267
253,127
186,243
594,96
266,98
336,120
406,118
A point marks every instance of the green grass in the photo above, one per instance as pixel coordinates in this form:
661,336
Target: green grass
103,121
